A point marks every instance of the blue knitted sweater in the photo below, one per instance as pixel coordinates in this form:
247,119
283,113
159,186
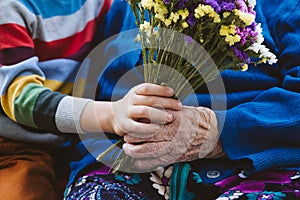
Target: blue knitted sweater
262,119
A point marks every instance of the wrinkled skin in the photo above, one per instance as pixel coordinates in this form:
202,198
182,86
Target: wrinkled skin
192,134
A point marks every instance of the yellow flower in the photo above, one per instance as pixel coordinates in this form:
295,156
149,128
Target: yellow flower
217,18
224,30
247,18
147,4
160,9
231,39
203,10
232,29
226,14
199,11
263,60
160,16
245,67
227,30
208,9
167,22
185,25
183,13
174,17
230,34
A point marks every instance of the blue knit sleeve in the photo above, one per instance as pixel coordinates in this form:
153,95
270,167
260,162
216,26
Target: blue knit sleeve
267,129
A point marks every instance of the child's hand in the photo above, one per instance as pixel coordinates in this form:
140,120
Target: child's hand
139,113
145,102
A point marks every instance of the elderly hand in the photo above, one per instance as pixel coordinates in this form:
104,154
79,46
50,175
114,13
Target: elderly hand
192,134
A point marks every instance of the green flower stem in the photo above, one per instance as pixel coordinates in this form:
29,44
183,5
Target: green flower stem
119,143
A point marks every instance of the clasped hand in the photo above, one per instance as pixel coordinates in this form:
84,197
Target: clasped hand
159,131
139,113
191,134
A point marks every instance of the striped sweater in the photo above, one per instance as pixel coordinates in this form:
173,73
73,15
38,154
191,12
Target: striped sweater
41,45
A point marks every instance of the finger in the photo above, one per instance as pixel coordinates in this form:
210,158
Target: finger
154,115
157,101
175,155
149,89
162,135
190,155
139,139
138,129
146,150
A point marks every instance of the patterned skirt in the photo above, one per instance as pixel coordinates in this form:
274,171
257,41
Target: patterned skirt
203,180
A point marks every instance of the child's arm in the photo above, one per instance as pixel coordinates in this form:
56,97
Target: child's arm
35,82
145,101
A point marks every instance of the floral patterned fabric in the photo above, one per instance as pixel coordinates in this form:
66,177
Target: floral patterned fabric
101,185
265,185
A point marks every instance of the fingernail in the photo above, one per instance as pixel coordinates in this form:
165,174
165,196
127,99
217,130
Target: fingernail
169,117
158,168
170,91
157,127
179,104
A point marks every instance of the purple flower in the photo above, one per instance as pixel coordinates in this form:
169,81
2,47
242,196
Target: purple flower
247,34
191,20
213,3
227,6
242,32
181,4
167,1
242,6
241,55
188,39
251,11
252,30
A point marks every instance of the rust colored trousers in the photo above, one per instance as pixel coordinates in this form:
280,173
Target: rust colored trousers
26,172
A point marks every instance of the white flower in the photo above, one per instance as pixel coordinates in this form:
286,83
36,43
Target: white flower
260,37
272,59
255,47
147,4
150,32
264,53
252,3
267,55
161,181
145,26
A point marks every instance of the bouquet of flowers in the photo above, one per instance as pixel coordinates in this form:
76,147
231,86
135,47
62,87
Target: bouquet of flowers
225,29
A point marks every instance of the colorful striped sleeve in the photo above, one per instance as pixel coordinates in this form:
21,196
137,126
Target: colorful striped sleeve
16,43
39,59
